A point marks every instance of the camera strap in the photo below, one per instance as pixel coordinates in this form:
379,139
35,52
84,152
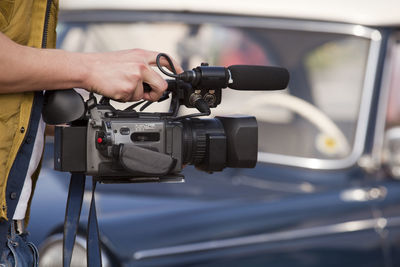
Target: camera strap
71,222
93,242
149,162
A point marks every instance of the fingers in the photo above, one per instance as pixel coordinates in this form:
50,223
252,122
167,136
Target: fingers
151,60
165,63
128,79
135,91
157,83
138,92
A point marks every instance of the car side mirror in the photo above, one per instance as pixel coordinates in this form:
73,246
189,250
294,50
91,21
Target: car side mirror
391,152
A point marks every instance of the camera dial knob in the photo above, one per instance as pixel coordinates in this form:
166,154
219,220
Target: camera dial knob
210,99
193,98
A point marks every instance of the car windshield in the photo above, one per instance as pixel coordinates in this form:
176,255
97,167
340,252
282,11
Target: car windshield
316,117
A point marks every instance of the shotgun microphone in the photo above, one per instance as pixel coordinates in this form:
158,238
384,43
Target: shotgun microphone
238,77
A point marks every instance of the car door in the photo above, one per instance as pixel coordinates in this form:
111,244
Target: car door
387,152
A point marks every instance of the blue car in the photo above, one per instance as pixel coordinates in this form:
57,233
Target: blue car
325,191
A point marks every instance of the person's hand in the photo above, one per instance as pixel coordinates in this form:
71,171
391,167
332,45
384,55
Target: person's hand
120,75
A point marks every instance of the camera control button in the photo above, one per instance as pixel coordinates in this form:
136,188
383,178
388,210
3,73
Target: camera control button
124,131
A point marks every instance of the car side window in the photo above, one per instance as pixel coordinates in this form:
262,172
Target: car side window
315,117
393,108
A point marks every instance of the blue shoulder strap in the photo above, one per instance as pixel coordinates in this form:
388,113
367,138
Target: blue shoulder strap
93,242
72,214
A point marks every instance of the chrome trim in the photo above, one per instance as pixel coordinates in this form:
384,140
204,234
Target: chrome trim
345,227
299,188
384,101
269,23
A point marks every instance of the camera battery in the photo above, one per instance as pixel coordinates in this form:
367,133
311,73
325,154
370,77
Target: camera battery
70,149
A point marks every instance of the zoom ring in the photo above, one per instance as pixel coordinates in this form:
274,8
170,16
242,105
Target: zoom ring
199,146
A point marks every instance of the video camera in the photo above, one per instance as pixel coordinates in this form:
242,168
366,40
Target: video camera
135,146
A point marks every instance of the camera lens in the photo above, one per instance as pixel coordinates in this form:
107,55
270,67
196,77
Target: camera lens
213,144
195,135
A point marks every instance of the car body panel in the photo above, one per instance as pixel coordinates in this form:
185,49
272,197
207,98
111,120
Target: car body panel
252,223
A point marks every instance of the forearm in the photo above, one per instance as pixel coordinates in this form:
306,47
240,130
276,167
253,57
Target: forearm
29,69
119,75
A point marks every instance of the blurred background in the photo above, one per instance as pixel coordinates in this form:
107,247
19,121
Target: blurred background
324,192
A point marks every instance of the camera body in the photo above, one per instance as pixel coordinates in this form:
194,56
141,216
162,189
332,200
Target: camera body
130,146
141,145
125,145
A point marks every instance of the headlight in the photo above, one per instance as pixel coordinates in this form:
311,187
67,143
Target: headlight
50,253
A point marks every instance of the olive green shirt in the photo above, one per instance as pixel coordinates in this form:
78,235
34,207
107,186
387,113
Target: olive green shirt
23,22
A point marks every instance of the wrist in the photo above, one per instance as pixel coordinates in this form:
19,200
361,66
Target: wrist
64,69
83,70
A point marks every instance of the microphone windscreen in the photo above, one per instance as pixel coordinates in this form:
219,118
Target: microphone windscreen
248,77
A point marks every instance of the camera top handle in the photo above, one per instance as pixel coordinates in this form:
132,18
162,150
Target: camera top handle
197,88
